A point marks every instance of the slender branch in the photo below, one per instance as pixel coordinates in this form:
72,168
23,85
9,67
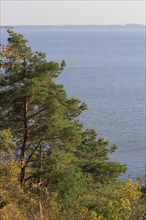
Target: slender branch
31,116
35,122
28,178
30,156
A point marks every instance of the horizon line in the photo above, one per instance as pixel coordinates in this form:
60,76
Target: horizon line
126,24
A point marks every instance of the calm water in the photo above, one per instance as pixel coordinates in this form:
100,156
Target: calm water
105,69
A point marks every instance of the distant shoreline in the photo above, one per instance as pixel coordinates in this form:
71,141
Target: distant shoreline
126,26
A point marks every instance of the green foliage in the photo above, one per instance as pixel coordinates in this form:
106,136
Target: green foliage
93,158
64,177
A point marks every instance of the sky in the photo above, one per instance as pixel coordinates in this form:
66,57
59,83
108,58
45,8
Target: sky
100,12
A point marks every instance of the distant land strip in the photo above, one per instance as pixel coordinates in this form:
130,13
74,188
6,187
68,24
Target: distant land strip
125,26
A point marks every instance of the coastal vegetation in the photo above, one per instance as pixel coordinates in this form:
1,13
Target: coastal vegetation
51,167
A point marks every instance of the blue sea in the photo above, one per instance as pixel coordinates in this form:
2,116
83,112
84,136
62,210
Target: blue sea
106,69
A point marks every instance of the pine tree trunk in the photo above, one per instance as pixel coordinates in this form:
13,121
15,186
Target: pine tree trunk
23,149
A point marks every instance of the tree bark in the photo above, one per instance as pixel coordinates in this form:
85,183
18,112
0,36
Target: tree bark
25,139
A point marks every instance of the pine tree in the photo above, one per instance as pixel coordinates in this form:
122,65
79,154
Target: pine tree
37,110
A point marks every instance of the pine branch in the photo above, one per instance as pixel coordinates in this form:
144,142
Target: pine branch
31,116
30,156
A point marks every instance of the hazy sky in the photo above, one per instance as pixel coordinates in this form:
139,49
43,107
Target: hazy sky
72,12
